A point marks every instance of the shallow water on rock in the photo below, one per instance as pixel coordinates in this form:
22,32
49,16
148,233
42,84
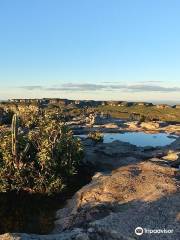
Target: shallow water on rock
139,139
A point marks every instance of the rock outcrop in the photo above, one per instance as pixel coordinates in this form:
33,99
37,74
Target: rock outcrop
109,156
113,205
142,190
152,127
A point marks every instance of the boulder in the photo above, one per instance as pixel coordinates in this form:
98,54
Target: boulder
111,125
171,155
150,125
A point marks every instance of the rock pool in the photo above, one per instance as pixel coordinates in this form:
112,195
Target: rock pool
140,139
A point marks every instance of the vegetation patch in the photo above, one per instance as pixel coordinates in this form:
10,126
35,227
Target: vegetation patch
96,136
151,112
41,159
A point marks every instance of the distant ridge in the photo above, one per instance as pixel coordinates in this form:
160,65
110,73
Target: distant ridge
155,102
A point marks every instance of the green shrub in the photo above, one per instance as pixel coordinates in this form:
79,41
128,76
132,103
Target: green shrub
40,159
96,136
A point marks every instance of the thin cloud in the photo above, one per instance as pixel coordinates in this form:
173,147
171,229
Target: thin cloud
152,88
99,87
137,82
150,81
85,86
32,87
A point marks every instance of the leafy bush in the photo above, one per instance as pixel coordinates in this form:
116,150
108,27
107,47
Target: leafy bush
41,159
96,136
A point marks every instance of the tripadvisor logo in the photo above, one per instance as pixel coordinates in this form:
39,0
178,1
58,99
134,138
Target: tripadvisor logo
140,231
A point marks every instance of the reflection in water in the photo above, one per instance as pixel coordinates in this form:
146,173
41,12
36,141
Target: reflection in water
140,139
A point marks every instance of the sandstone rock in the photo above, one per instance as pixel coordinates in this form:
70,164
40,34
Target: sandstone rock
171,155
111,125
132,125
114,205
109,156
150,125
173,129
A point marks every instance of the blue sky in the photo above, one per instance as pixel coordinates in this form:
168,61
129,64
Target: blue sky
90,49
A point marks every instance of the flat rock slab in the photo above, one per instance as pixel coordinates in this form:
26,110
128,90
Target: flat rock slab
143,194
109,156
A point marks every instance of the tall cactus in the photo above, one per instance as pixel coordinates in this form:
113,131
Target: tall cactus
17,155
14,137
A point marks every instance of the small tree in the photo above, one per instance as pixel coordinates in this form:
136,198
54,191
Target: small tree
96,136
